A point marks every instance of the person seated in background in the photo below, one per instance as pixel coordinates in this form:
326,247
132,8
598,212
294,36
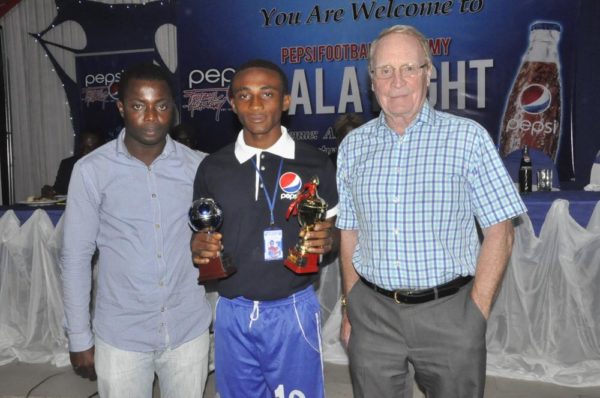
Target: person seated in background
342,126
183,134
85,144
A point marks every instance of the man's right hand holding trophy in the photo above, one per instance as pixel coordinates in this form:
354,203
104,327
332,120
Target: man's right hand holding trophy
205,218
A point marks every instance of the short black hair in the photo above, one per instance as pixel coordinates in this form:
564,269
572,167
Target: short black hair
144,71
260,63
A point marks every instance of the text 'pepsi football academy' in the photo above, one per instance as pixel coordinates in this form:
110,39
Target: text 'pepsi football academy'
325,53
347,51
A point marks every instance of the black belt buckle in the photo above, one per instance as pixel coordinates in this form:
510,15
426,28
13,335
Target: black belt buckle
401,292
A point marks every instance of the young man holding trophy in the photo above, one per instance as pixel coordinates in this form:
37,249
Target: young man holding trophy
267,328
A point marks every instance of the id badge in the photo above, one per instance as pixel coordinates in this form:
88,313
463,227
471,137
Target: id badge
273,244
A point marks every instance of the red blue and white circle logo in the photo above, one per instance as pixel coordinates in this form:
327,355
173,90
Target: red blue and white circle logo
113,91
290,182
535,98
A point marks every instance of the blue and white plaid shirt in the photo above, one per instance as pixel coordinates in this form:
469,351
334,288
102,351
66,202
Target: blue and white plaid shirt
414,198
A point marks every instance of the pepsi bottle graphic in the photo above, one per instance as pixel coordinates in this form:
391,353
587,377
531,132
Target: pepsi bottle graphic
532,114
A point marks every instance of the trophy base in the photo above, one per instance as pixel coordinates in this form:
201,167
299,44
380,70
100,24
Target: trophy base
217,268
299,263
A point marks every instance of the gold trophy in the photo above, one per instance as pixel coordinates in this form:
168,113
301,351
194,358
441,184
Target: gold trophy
310,209
207,216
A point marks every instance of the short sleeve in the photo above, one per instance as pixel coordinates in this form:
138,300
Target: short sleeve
346,215
495,198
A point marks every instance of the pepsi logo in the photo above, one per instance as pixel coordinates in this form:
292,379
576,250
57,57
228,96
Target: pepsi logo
290,182
535,98
113,90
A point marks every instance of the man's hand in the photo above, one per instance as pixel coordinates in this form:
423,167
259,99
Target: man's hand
83,363
345,329
319,240
491,264
349,240
484,305
205,246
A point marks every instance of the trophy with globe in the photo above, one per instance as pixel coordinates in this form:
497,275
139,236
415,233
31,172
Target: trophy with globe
205,215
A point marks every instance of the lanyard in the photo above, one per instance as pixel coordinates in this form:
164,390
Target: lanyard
271,202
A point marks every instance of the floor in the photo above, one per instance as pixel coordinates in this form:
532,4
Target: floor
46,381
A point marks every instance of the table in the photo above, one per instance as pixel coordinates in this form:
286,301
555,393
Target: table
582,204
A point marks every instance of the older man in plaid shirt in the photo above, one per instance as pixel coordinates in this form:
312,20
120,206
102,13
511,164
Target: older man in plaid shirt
412,185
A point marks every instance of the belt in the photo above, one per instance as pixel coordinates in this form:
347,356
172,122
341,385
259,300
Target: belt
408,296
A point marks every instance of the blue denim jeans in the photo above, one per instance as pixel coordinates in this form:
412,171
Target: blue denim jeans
182,371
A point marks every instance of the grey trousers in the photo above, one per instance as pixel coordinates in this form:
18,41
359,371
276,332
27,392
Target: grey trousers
444,339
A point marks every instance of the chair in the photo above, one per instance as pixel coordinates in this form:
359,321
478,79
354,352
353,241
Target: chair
539,160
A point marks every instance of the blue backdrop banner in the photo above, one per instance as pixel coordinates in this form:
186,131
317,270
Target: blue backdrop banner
478,49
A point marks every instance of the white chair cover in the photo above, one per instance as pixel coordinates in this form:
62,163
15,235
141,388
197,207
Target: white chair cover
329,289
594,222
31,311
333,351
9,291
329,293
545,324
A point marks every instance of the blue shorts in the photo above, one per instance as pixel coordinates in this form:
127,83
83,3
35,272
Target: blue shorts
269,348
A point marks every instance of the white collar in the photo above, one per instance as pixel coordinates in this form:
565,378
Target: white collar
285,147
